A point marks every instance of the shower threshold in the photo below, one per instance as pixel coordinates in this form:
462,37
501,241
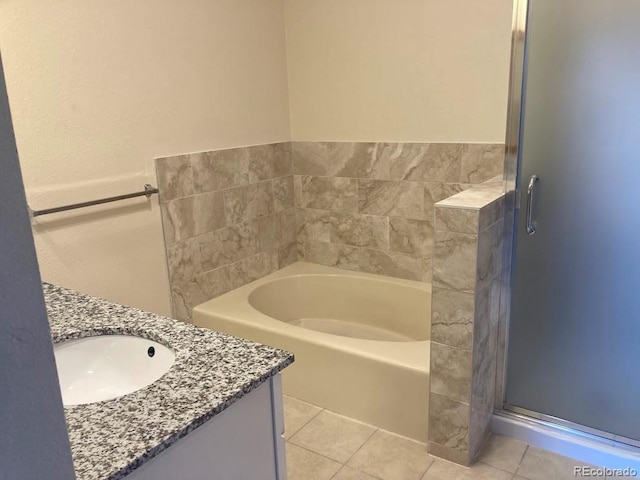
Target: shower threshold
567,440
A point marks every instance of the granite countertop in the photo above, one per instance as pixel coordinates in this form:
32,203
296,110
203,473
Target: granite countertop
212,370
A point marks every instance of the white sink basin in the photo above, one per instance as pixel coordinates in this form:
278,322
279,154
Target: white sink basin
103,367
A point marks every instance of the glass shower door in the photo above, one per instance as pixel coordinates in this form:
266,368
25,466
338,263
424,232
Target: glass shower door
574,338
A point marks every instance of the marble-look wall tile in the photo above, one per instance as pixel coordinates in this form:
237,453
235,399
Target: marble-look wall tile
190,216
392,198
184,260
277,229
451,371
283,193
313,225
334,159
401,181
452,317
199,289
365,260
489,253
240,240
436,191
454,261
359,230
212,251
268,234
287,227
483,374
427,269
343,228
448,422
285,255
392,264
248,202
484,367
269,161
249,269
474,196
423,162
180,305
411,236
220,169
338,194
481,162
461,220
175,177
332,255
482,398
461,457
193,256
507,250
491,213
466,308
228,217
479,431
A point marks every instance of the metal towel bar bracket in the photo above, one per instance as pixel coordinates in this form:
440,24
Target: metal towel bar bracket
148,191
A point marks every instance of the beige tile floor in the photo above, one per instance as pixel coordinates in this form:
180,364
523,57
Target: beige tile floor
322,445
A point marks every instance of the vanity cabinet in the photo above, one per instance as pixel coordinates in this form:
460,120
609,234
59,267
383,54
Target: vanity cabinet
244,441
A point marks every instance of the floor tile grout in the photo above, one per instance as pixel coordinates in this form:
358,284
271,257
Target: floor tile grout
526,449
499,468
343,464
307,422
428,467
433,460
375,430
316,453
363,444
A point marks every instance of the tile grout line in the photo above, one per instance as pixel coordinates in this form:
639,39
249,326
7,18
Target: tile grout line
521,459
204,192
433,461
319,454
308,421
376,429
363,444
497,468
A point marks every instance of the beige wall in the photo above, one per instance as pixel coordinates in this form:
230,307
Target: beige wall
398,70
99,89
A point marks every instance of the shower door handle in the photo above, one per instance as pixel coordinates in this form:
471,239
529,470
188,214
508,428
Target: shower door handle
531,229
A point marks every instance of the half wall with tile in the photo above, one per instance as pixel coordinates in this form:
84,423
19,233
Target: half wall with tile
228,219
370,206
464,325
232,216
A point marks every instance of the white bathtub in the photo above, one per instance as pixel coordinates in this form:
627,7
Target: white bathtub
361,341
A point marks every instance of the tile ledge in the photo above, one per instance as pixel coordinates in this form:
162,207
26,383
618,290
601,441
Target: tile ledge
474,198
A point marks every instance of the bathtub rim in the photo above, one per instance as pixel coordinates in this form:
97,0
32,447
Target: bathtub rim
234,306
380,281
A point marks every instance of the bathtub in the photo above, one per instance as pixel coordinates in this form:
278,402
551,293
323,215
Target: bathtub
361,341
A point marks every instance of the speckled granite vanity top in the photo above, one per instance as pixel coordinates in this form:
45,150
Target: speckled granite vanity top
212,370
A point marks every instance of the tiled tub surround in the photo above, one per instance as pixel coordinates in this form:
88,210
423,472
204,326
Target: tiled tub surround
370,206
229,216
465,309
110,439
228,219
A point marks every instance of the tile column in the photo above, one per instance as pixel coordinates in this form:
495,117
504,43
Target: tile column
465,308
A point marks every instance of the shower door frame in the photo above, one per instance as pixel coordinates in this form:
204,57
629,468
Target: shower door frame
512,202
